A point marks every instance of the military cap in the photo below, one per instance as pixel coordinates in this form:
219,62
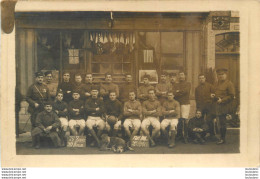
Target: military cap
94,87
48,103
173,74
76,91
38,74
164,73
47,73
222,70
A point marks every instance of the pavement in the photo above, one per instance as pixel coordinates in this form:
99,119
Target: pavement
23,147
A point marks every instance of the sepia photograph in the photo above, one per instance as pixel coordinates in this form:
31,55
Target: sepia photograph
103,82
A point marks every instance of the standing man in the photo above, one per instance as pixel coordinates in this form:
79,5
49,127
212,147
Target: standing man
162,88
151,111
46,125
37,94
223,98
79,86
132,113
126,88
204,101
171,114
182,95
66,87
174,79
52,86
95,111
142,92
114,113
108,86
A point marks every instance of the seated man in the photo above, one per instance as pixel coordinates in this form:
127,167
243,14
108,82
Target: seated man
95,110
171,113
151,112
142,92
198,128
76,112
114,113
61,109
132,113
108,86
47,123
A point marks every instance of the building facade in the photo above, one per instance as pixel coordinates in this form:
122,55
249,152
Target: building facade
126,42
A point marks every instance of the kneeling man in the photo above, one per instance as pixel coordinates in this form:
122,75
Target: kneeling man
171,114
151,112
47,123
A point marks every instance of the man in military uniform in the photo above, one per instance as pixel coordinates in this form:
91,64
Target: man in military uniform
46,124
37,94
223,98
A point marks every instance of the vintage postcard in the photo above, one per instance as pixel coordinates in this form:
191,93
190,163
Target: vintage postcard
130,84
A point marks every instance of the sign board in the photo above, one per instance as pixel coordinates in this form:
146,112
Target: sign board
76,141
140,141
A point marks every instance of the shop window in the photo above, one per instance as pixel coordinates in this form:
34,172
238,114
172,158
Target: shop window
112,52
73,56
48,50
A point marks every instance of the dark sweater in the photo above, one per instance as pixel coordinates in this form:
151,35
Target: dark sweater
61,107
171,105
66,88
182,92
150,105
114,108
135,106
91,105
76,104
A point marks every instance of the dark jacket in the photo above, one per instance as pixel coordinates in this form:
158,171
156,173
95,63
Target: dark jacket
202,95
61,107
197,123
45,119
76,104
226,91
114,108
37,93
91,105
182,92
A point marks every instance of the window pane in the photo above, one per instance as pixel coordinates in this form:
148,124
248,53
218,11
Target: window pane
127,68
172,42
171,63
117,68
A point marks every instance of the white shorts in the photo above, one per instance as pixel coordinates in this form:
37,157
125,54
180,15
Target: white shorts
132,123
79,122
64,121
185,111
94,121
117,125
169,122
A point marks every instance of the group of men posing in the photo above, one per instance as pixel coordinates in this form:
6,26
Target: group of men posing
163,109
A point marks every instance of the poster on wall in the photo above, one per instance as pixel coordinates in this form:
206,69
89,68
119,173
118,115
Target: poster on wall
151,73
